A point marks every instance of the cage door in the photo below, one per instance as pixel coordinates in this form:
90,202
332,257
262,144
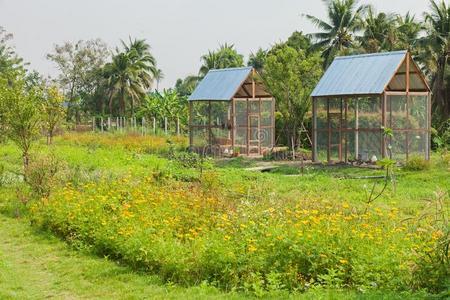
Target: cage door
254,142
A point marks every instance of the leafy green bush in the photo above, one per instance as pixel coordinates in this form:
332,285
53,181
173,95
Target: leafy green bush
417,163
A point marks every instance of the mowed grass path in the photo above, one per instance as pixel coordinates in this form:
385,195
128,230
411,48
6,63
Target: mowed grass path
39,266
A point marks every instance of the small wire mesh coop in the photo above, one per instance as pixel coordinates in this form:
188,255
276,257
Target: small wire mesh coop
231,113
360,95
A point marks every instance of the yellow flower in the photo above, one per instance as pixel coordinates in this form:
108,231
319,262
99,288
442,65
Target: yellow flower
251,248
343,261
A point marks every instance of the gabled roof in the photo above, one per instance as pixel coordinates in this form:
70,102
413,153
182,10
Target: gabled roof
359,74
220,85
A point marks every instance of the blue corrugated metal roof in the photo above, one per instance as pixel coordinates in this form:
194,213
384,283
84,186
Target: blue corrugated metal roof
359,74
220,84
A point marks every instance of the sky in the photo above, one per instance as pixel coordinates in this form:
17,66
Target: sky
179,31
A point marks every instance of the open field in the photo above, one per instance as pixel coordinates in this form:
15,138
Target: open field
217,228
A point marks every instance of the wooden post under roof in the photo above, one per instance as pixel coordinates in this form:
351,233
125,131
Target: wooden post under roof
407,103
191,134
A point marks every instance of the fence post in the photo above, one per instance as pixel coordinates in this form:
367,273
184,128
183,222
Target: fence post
109,123
117,123
154,125
165,125
178,126
93,124
101,124
142,125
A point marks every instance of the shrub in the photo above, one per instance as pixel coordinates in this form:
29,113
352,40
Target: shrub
417,163
41,174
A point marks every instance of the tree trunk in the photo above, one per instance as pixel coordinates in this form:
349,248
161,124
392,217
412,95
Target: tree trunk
122,101
110,103
26,163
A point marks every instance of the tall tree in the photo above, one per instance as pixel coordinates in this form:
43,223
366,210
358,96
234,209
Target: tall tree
338,33
159,75
21,113
436,51
299,41
380,33
186,86
409,30
53,110
9,60
257,60
11,69
290,76
79,64
130,74
225,57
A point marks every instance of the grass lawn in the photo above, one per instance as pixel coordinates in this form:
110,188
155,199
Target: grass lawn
35,264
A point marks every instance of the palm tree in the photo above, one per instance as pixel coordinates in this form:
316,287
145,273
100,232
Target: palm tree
338,34
436,45
130,74
257,60
408,32
379,32
123,80
225,57
186,86
159,75
209,62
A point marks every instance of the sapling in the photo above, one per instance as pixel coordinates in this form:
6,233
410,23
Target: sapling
388,164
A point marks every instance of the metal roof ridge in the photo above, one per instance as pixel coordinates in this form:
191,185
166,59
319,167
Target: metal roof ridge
230,69
371,54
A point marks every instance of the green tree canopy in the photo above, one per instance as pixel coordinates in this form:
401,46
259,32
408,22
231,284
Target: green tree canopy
79,66
290,76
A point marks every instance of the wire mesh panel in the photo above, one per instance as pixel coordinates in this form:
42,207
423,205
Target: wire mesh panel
350,111
210,126
418,111
200,113
220,113
266,113
369,145
398,145
322,146
417,143
321,113
200,137
350,146
397,112
369,112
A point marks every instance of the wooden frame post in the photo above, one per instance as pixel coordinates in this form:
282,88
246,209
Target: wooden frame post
233,125
314,132
345,102
383,123
209,125
407,104
191,134
329,131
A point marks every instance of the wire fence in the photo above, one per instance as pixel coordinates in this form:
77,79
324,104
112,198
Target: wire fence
142,125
